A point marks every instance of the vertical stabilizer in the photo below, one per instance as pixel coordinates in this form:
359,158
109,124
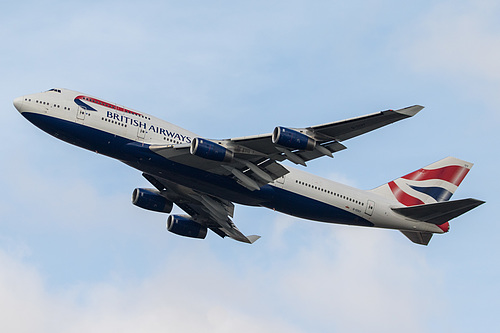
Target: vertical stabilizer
422,190
434,183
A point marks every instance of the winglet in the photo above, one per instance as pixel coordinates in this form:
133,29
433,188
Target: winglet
252,238
410,111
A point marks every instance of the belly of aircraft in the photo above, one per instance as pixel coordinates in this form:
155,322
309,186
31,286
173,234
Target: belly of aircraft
140,157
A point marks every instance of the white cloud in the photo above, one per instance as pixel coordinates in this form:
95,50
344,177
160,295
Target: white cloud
176,299
460,38
300,275
332,280
457,43
361,280
280,225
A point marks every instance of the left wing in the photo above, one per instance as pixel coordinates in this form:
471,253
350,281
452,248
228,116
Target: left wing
324,136
209,211
255,160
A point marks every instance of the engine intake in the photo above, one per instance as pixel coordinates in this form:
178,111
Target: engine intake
184,225
210,150
292,139
151,199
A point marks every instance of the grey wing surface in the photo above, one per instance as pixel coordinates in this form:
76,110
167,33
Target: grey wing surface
209,211
330,135
255,160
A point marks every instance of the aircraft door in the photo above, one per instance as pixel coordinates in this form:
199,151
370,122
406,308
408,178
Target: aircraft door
370,206
80,113
141,132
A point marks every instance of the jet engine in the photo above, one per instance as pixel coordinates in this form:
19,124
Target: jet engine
292,139
184,225
210,150
151,199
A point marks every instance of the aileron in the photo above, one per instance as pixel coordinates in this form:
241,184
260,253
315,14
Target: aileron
350,128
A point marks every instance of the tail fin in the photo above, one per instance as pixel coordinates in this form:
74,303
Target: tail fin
434,183
424,189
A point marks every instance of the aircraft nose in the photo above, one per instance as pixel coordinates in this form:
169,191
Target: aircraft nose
18,103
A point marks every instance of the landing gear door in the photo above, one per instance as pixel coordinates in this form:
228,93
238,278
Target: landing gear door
370,206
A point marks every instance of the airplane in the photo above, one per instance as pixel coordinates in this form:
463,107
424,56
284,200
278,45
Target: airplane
206,177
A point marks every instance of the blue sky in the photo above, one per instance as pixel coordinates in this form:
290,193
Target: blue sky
77,256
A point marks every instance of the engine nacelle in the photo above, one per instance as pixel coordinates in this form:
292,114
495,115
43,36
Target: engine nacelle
292,139
151,199
210,150
183,225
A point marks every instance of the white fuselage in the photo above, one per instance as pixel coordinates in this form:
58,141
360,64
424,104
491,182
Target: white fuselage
126,134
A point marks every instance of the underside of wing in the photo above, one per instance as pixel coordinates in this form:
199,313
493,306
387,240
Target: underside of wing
300,145
250,168
254,161
209,211
350,128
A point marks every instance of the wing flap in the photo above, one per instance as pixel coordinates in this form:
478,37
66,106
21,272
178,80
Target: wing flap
265,169
333,147
328,135
210,211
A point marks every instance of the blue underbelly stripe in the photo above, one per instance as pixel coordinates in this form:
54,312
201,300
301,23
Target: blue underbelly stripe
298,205
142,158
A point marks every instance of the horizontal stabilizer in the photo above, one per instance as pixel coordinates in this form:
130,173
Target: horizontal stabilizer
440,212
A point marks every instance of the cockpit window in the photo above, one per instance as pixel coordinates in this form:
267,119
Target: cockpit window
55,90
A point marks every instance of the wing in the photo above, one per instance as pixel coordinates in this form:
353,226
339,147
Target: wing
331,134
255,160
211,212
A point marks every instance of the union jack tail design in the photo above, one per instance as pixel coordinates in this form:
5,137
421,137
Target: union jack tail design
434,183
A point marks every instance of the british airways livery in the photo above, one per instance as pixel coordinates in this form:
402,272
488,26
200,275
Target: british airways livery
205,177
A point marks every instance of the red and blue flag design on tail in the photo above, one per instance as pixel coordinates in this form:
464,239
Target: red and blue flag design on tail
434,183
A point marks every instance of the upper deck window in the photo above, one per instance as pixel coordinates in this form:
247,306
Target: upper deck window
55,90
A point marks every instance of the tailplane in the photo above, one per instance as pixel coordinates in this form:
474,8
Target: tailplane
439,213
436,213
426,193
